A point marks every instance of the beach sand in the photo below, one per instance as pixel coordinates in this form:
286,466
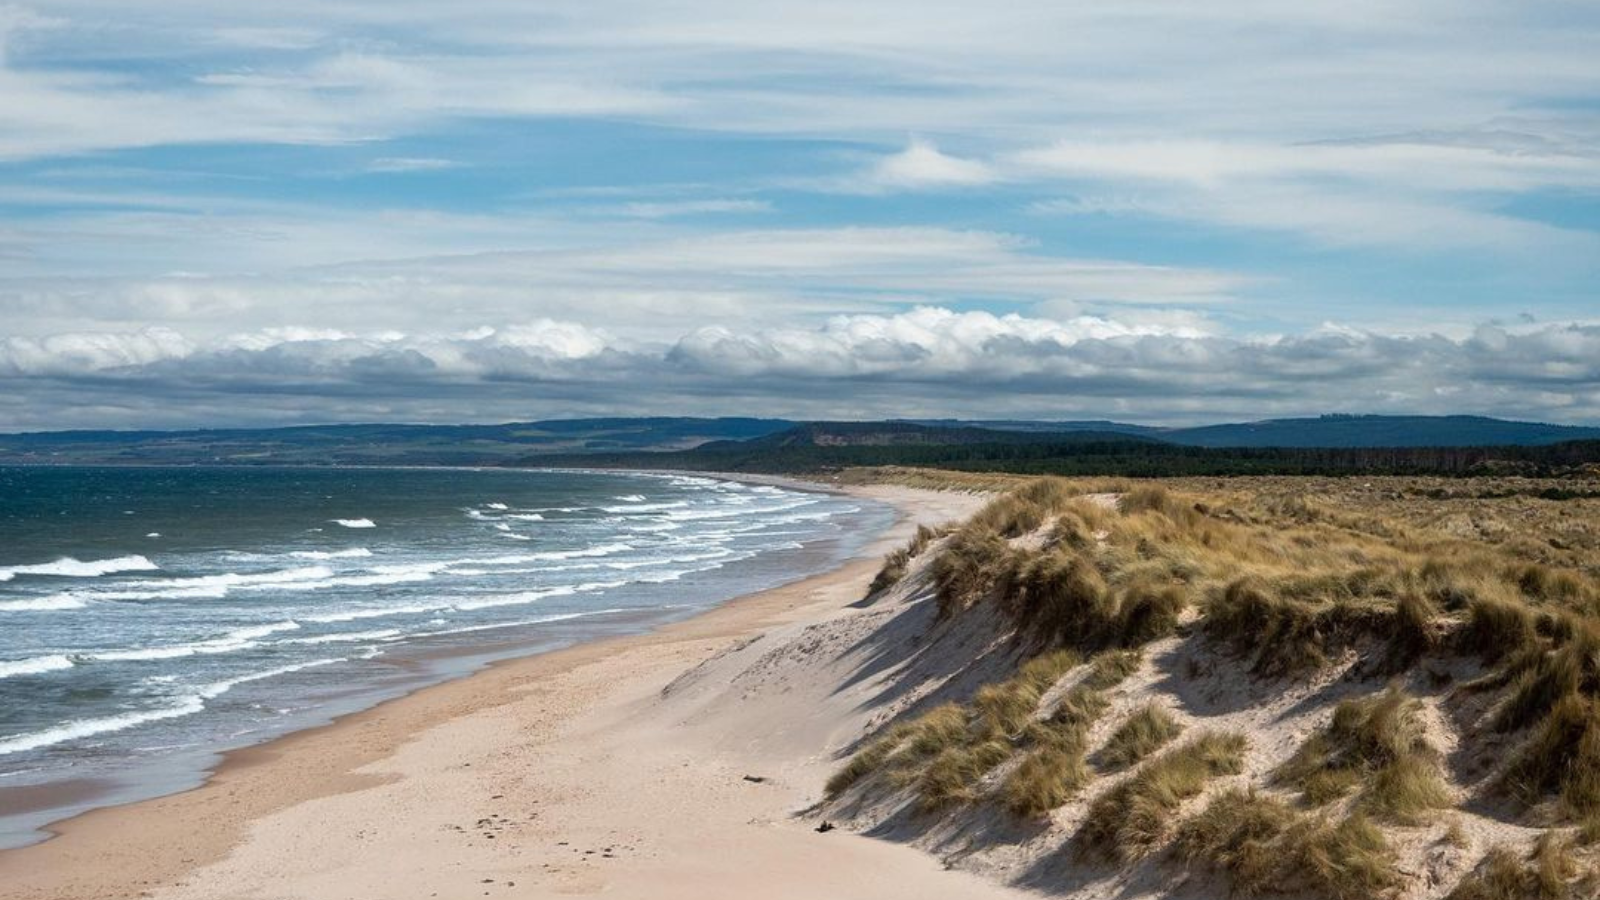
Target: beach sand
665,765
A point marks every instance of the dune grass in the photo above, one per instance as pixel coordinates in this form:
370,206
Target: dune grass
1146,730
1547,871
1132,817
1378,745
1049,775
947,751
1561,757
1290,584
898,561
1263,845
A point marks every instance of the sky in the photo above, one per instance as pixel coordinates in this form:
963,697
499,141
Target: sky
1155,211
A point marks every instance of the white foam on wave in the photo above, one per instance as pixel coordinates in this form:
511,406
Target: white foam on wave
218,688
356,523
630,498
376,612
540,620
183,706
381,575
352,553
525,517
44,604
82,728
525,597
726,512
67,567
720,553
517,559
346,637
37,665
496,506
232,642
217,586
644,507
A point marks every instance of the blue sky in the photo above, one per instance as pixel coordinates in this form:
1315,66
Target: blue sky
1155,211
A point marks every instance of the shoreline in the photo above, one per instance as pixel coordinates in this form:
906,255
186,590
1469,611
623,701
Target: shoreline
151,846
69,799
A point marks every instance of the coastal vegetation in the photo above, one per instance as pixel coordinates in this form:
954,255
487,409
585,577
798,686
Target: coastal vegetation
1441,648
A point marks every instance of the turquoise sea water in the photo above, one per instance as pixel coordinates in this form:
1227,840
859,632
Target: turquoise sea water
150,617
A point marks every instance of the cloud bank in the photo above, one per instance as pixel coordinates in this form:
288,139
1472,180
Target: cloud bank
923,361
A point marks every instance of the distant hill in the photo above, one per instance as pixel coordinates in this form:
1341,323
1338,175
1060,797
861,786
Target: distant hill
902,434
1104,426
935,441
1321,431
378,444
1380,431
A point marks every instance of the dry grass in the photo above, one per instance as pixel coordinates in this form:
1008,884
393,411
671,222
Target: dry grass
1134,816
1293,576
1548,871
948,750
1050,775
975,564
1561,757
1264,846
1112,667
1378,744
898,561
1146,730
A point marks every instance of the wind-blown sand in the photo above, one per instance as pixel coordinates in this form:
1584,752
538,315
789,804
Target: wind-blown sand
663,765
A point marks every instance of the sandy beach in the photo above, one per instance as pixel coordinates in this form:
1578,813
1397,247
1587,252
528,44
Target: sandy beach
671,764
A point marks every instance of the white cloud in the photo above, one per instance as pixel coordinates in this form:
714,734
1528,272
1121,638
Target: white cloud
921,165
924,361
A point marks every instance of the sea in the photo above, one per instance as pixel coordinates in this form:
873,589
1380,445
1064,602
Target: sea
151,618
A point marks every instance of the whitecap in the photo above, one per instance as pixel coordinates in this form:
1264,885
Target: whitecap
523,558
67,567
217,689
525,597
381,575
83,728
217,586
541,620
644,507
496,506
44,604
381,634
352,553
352,615
37,665
241,639
356,523
630,498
